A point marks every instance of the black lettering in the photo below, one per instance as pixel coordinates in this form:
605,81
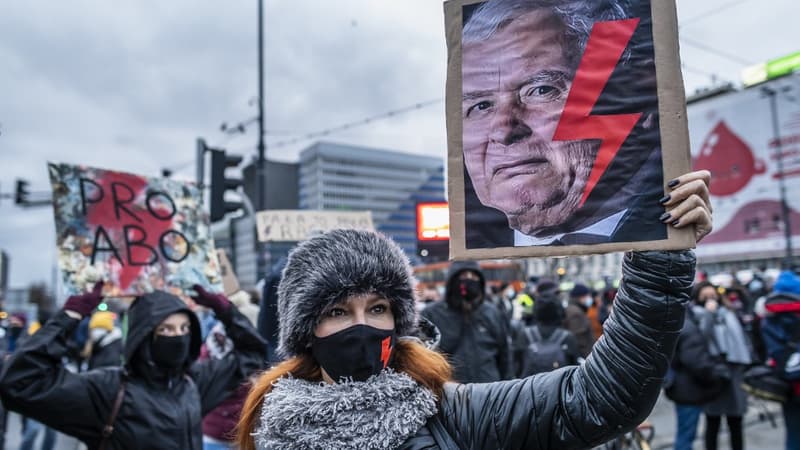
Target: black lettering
167,251
129,243
84,200
119,203
97,249
156,212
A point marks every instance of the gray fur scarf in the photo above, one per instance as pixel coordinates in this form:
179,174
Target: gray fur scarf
380,413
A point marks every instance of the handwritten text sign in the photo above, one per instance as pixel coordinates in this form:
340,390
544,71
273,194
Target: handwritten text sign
136,233
294,225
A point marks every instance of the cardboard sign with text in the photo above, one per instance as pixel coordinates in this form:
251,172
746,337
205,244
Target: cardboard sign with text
138,234
230,284
299,225
565,124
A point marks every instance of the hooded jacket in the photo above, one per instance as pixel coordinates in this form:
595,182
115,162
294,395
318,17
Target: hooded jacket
160,409
477,342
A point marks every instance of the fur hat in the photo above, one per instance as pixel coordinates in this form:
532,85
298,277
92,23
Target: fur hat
333,266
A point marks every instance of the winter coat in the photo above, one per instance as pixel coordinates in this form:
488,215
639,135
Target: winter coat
734,348
582,406
577,322
107,352
159,410
693,379
478,343
220,423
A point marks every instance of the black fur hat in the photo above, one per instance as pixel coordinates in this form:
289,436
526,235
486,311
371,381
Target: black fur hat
333,266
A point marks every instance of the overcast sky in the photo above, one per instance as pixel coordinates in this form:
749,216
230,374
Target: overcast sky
131,85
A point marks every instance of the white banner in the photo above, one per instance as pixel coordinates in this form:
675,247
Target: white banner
298,225
732,136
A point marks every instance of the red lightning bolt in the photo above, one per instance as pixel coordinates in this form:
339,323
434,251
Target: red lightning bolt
386,350
603,51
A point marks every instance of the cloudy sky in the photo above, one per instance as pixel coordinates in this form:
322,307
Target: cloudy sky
131,85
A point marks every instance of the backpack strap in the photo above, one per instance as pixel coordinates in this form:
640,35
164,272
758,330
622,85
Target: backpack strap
559,336
108,430
440,434
537,336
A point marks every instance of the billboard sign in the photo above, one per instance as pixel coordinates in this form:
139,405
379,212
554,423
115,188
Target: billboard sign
433,222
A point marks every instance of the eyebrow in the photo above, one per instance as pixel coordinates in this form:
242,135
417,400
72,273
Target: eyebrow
543,75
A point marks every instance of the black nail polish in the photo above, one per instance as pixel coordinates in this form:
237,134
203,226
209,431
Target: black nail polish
665,216
664,199
673,183
676,222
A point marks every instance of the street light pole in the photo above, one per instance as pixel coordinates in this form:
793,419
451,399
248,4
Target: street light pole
261,191
787,224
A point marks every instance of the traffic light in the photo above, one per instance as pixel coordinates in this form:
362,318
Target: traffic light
221,184
22,194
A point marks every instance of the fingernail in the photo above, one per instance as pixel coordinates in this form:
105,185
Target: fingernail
665,216
673,183
676,222
664,199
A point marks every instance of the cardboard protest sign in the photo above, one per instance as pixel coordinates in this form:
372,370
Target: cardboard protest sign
565,122
298,225
230,284
136,233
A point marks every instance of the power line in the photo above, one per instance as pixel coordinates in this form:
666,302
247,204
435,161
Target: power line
714,51
712,12
357,123
697,71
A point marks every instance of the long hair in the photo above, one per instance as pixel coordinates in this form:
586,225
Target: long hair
427,367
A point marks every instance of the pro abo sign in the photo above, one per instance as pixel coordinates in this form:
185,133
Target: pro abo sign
136,233
298,225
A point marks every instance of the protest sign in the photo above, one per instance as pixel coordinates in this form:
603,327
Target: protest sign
138,234
565,123
230,284
298,225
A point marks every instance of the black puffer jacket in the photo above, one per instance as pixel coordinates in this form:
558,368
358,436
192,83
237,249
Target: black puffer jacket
159,410
581,406
477,342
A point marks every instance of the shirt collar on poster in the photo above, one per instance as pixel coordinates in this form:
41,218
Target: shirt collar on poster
603,228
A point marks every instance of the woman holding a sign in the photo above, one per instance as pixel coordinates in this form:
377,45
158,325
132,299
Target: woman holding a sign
160,396
356,377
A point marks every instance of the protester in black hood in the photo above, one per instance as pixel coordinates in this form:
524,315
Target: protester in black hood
158,399
475,334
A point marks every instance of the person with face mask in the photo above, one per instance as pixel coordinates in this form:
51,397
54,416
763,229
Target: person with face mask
104,346
476,336
157,399
357,376
576,319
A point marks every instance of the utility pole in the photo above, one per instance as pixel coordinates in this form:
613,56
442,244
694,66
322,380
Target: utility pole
261,183
787,224
261,191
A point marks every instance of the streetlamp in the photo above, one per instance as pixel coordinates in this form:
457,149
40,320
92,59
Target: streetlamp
787,224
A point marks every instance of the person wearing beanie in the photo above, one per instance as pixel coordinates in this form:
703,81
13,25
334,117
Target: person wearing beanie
781,333
157,399
576,318
548,345
475,334
104,346
355,376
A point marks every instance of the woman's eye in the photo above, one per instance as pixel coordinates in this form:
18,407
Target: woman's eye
379,309
336,312
480,107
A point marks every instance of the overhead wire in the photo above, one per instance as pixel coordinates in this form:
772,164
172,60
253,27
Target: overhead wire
711,12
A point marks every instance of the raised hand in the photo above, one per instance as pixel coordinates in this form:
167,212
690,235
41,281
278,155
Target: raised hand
688,203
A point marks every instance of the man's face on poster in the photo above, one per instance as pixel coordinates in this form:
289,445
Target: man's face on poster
515,85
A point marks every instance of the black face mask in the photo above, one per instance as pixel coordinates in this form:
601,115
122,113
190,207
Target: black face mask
170,352
469,290
357,352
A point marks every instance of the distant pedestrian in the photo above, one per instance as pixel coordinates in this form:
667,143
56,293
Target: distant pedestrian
576,319
733,348
475,333
781,332
549,345
105,341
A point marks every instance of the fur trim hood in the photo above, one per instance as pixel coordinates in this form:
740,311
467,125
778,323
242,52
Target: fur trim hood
333,266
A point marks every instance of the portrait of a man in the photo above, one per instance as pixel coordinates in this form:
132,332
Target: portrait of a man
537,170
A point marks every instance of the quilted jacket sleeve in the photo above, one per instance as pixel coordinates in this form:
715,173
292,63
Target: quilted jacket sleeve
612,392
